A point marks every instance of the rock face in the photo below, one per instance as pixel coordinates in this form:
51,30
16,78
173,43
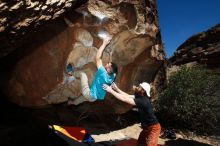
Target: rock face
19,18
203,48
34,67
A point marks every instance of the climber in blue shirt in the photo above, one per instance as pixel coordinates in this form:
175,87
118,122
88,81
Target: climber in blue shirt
104,75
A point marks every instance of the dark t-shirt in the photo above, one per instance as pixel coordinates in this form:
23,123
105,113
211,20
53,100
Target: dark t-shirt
145,111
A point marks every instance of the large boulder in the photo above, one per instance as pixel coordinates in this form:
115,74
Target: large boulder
34,72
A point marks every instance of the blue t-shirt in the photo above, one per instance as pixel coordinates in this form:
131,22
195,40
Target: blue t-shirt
101,77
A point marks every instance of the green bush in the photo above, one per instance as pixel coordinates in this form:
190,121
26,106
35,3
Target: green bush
190,101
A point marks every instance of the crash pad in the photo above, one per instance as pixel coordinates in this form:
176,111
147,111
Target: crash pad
79,134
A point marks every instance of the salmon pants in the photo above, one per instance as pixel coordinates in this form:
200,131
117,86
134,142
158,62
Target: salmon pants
149,135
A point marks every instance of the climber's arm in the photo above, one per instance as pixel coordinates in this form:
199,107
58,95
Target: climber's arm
100,51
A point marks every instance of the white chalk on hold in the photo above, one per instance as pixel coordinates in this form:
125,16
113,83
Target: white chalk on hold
103,34
100,15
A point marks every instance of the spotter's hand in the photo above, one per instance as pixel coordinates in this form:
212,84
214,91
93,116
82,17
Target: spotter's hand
107,88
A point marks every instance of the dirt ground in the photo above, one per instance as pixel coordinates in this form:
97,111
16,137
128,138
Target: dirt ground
132,132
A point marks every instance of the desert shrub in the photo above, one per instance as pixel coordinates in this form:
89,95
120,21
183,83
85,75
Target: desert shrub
190,101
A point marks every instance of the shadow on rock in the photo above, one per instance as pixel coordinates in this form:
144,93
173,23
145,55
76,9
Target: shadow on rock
183,142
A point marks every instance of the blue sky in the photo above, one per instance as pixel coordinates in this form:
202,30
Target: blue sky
180,19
